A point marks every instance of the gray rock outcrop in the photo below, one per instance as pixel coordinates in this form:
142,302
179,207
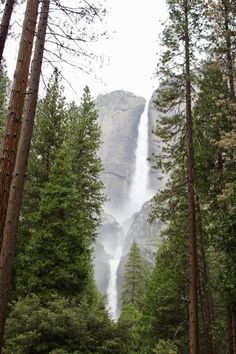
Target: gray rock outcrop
146,234
156,180
119,116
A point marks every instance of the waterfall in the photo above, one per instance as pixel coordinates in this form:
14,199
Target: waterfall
139,193
139,189
112,294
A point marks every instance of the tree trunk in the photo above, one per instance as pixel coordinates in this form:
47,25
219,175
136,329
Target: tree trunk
17,185
6,18
231,329
193,291
12,130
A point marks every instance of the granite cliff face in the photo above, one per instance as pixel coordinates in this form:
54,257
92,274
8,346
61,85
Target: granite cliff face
156,178
146,235
119,115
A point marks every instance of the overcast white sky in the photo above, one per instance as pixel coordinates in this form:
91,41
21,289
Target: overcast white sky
130,52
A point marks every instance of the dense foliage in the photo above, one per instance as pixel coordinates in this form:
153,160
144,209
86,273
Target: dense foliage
54,287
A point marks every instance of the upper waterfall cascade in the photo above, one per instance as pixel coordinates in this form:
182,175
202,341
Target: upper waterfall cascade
139,190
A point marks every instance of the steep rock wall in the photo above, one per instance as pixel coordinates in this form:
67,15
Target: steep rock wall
119,115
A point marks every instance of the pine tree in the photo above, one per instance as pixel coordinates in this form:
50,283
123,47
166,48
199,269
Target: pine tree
50,129
180,36
55,262
60,325
84,192
49,134
58,253
128,327
211,118
221,21
165,313
85,142
214,173
135,279
223,39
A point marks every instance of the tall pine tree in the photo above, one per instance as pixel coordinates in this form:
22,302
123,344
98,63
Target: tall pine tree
181,33
135,279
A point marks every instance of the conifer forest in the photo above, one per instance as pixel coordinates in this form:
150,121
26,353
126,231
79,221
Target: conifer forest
53,192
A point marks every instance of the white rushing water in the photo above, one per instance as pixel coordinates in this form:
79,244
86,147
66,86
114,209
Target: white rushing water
112,294
139,193
139,190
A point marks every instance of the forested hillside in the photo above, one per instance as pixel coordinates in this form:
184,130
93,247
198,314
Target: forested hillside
52,196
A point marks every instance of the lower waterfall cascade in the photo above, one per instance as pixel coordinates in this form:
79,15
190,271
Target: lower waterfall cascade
139,193
112,294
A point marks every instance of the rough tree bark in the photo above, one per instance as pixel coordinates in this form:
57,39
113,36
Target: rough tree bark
17,185
193,290
5,23
12,130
